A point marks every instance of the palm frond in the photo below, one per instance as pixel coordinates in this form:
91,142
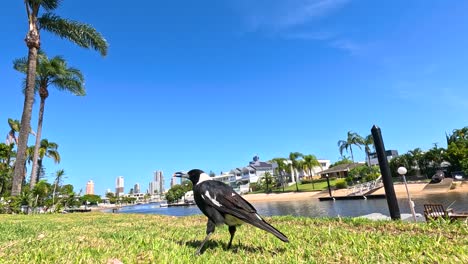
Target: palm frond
83,35
48,5
21,65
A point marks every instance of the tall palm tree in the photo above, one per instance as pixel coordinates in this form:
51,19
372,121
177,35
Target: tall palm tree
58,178
54,72
296,165
352,139
310,161
46,149
81,34
280,169
367,142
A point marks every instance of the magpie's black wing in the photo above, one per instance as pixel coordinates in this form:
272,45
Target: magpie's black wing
225,200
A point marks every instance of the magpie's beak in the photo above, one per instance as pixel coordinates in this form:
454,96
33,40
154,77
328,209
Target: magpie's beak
181,175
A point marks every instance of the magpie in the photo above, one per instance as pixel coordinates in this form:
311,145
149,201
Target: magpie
222,205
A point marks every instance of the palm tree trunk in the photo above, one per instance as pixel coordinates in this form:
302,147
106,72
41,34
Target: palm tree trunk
53,194
32,41
34,170
352,156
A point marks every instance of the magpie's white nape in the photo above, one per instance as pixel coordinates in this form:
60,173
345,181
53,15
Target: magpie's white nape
222,205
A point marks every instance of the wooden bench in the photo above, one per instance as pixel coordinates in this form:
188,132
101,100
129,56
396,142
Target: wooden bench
435,211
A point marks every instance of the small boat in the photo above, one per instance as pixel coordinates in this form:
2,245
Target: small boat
163,205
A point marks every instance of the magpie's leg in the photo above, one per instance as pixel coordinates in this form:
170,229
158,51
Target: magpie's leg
210,228
232,231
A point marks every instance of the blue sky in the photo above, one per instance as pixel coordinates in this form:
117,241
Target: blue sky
209,84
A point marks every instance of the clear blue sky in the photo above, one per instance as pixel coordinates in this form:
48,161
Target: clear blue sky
209,84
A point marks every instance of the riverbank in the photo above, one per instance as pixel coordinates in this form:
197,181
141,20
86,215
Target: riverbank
415,189
134,238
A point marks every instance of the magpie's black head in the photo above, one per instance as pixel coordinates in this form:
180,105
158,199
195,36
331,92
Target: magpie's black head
193,175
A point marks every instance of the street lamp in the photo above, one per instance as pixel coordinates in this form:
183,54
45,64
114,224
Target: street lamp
328,184
402,171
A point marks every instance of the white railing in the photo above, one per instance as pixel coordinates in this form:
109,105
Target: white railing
360,189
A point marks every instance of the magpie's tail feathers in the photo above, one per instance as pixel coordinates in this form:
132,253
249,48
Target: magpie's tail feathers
262,224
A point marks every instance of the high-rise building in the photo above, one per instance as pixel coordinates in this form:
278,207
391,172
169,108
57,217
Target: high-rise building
159,181
119,185
90,187
173,181
136,188
152,187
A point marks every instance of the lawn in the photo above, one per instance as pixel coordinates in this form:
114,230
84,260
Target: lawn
307,187
105,238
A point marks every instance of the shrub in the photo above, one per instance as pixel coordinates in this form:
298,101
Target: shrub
341,184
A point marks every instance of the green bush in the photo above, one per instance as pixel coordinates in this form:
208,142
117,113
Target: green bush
341,184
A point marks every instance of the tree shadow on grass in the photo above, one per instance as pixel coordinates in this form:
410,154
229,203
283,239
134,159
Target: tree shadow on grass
213,244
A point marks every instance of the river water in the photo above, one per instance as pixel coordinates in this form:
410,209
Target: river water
312,207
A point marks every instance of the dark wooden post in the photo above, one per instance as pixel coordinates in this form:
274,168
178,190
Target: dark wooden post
386,174
328,184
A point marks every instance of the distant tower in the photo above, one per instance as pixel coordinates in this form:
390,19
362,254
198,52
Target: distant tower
136,188
159,181
90,187
173,181
119,185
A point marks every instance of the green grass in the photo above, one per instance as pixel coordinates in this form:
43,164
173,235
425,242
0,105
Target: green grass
308,187
101,238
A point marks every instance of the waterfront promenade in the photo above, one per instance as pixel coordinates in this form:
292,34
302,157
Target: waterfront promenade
415,189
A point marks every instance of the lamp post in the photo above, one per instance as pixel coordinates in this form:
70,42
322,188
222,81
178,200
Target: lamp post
328,184
402,171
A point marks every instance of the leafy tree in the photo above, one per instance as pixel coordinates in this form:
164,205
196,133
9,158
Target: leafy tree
352,139
268,181
112,197
66,189
457,150
212,174
91,199
363,173
178,191
6,169
280,170
343,160
54,72
41,192
400,161
81,34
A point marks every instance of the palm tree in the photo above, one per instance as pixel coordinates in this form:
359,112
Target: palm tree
14,128
54,72
280,169
457,135
296,165
367,142
310,161
81,34
352,139
58,178
46,149
268,178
